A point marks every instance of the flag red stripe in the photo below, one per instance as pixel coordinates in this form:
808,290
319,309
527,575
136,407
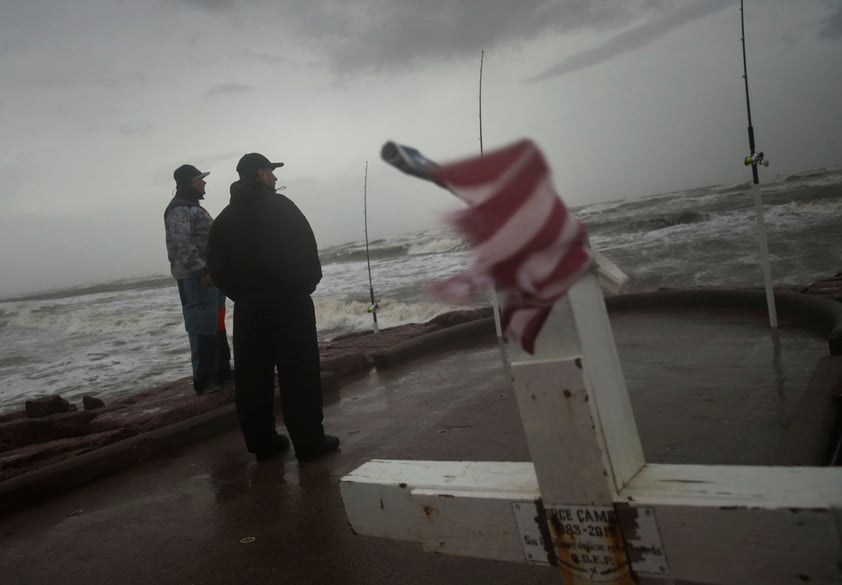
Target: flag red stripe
485,218
506,271
524,324
525,239
566,272
480,170
533,328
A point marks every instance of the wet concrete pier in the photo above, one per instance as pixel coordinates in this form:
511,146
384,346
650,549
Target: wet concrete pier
703,391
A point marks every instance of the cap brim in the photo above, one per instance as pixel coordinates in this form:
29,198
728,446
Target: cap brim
276,165
201,175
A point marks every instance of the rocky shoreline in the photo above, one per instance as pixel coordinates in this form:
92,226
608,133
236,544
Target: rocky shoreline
50,430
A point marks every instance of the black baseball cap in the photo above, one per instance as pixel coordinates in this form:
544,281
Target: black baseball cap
185,174
250,163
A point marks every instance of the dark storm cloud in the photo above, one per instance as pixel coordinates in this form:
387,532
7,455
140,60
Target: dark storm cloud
636,37
832,28
387,34
378,35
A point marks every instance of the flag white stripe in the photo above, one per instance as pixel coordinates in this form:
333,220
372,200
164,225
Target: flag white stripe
539,266
528,214
519,230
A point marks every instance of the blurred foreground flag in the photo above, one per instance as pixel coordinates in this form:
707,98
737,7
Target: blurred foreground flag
525,241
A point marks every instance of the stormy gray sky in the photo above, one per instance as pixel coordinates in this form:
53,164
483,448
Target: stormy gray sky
101,99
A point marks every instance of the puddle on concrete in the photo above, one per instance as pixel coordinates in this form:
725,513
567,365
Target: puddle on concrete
705,389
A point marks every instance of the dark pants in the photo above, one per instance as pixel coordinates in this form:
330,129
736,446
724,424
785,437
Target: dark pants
270,336
203,309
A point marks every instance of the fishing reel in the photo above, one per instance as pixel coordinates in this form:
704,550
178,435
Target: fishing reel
372,307
756,159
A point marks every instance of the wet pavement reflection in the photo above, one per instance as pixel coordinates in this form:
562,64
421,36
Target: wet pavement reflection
703,391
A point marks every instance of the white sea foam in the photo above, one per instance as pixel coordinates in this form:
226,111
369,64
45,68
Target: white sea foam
827,208
437,246
336,317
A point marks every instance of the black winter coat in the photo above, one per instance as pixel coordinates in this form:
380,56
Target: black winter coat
261,247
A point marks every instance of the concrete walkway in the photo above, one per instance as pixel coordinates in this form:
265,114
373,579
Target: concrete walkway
703,391
181,519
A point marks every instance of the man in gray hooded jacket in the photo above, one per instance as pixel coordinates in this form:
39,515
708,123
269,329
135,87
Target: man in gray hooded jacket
187,226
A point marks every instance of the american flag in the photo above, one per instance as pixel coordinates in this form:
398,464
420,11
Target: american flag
525,240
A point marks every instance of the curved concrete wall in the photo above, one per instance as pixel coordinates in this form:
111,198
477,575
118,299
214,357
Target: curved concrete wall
813,313
813,436
817,314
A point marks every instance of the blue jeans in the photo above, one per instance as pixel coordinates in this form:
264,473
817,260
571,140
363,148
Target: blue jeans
203,309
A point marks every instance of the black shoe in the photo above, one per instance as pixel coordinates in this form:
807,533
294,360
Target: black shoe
328,444
279,446
205,388
223,376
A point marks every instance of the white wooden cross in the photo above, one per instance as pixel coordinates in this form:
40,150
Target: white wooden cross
588,502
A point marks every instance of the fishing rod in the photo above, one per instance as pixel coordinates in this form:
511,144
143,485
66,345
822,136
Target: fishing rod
753,158
495,301
756,159
372,308
481,59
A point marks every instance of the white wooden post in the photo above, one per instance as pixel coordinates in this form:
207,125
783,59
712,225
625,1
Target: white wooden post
578,485
588,502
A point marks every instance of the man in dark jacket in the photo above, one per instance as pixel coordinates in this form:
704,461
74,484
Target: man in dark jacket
262,254
187,225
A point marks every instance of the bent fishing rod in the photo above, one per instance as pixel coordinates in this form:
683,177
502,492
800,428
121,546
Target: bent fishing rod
372,308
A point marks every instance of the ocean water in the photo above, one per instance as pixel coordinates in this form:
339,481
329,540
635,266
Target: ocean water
116,338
